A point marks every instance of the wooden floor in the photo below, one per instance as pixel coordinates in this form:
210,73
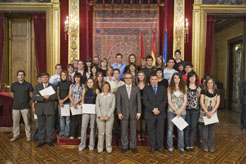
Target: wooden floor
230,148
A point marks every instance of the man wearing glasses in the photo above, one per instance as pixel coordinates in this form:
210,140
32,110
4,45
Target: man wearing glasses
129,111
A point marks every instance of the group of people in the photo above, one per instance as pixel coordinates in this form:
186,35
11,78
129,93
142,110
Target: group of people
126,97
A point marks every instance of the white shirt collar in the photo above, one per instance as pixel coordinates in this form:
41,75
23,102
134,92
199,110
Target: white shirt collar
128,86
102,94
45,85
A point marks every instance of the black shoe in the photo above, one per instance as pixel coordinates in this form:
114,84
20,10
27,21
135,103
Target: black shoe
152,151
192,150
188,149
161,150
40,144
123,150
50,144
134,151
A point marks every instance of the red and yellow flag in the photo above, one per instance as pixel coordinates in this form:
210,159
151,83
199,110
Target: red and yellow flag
153,52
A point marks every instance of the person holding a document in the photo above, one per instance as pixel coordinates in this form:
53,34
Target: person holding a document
88,100
105,106
155,101
177,100
75,94
210,101
45,96
192,110
63,106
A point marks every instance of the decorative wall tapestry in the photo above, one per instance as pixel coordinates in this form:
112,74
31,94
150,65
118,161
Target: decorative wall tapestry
117,30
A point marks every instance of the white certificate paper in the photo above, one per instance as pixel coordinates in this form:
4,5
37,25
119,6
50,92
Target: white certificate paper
65,111
76,111
47,91
35,117
180,123
89,109
212,120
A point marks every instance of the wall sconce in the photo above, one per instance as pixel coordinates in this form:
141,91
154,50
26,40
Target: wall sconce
182,29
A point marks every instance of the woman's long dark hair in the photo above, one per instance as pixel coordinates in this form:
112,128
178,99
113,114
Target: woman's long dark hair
96,81
192,73
181,83
141,71
66,75
94,88
88,59
79,76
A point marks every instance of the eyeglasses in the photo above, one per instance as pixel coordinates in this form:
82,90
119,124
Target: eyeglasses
128,77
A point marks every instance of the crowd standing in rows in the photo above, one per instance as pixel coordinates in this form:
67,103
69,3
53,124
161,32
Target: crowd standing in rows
135,97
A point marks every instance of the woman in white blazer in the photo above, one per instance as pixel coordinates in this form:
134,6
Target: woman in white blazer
105,106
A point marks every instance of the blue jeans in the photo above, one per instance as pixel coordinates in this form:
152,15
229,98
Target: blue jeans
190,131
35,136
170,116
64,128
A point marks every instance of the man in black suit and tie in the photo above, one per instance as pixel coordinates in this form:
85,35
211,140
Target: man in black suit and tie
45,110
155,101
129,110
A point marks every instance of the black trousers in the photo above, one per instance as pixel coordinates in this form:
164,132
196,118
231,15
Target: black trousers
155,129
46,127
76,125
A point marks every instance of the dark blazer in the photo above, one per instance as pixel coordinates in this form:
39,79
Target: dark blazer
128,107
44,106
243,98
152,101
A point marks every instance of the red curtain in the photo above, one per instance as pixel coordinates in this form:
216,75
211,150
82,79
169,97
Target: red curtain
39,20
169,12
63,42
162,28
1,44
209,43
188,44
86,29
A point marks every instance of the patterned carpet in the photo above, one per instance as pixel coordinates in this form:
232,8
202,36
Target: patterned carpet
230,148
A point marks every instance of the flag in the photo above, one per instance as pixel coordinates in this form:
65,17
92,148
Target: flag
142,47
153,53
165,48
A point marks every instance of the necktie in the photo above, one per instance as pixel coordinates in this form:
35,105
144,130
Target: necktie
129,92
155,89
45,85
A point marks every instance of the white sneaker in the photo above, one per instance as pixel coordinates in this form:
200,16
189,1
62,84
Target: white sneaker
13,139
28,139
71,138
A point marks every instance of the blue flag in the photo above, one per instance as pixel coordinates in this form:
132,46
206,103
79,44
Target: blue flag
165,48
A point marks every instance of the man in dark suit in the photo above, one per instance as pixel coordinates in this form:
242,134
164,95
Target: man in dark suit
155,101
129,110
243,102
45,110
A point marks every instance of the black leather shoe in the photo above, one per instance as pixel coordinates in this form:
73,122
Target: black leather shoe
161,150
192,150
152,151
134,151
123,150
50,144
40,144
